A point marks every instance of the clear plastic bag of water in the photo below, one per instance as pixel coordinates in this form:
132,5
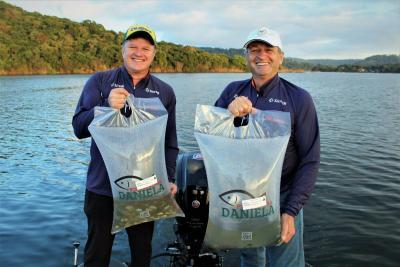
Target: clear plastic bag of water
244,166
133,152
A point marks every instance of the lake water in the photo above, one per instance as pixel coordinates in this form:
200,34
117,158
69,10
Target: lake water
352,218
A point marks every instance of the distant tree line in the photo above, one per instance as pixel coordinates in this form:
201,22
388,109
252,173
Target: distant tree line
376,63
385,68
177,58
31,43
227,51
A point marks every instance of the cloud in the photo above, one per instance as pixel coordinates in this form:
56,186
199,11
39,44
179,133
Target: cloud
309,29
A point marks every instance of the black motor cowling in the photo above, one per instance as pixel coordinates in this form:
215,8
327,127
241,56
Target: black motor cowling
191,180
192,196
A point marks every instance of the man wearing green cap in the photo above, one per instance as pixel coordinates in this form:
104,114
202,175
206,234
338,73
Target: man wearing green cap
111,88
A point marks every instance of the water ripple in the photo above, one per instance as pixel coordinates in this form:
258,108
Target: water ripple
350,220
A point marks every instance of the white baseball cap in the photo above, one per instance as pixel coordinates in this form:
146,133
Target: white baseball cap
264,35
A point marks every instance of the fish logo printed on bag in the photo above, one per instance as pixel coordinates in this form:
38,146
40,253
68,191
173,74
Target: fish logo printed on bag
245,205
234,197
134,183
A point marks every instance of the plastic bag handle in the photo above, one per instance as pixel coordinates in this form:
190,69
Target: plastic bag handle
129,101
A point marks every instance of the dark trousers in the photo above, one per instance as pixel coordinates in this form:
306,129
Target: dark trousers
99,213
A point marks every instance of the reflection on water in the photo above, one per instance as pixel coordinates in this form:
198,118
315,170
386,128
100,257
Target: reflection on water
351,219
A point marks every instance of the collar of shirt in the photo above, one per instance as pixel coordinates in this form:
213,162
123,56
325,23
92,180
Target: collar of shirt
267,87
128,80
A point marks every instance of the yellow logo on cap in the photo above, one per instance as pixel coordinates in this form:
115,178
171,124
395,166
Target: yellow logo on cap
140,28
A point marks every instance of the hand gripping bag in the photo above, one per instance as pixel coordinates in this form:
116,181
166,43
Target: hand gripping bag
133,152
243,166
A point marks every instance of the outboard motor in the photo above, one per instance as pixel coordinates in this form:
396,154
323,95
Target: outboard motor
191,180
192,197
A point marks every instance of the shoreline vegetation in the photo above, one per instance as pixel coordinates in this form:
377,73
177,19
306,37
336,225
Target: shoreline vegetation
36,44
153,70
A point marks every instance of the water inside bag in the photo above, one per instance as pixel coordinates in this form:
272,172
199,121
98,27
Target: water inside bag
243,166
133,151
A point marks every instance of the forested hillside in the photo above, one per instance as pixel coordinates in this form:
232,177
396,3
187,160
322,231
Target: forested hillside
31,43
376,63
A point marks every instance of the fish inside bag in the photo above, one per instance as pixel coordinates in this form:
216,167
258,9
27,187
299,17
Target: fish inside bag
133,151
243,166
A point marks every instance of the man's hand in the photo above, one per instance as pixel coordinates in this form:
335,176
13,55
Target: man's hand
173,188
241,106
117,98
287,228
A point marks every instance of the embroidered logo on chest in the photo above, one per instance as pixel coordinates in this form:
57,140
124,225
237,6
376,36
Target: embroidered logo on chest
275,100
152,91
115,85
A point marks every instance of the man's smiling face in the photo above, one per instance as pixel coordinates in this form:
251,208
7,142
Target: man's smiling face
263,60
138,54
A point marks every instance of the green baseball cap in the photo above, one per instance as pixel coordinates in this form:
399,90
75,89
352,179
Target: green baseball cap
142,31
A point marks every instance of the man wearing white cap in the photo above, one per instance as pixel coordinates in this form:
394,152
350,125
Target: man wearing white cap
111,88
265,90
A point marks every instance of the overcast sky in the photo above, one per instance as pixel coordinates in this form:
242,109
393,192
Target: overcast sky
309,29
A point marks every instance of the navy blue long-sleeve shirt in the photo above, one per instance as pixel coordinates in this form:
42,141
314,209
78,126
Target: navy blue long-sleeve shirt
302,158
95,93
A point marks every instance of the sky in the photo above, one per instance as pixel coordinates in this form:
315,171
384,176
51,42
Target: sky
309,29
